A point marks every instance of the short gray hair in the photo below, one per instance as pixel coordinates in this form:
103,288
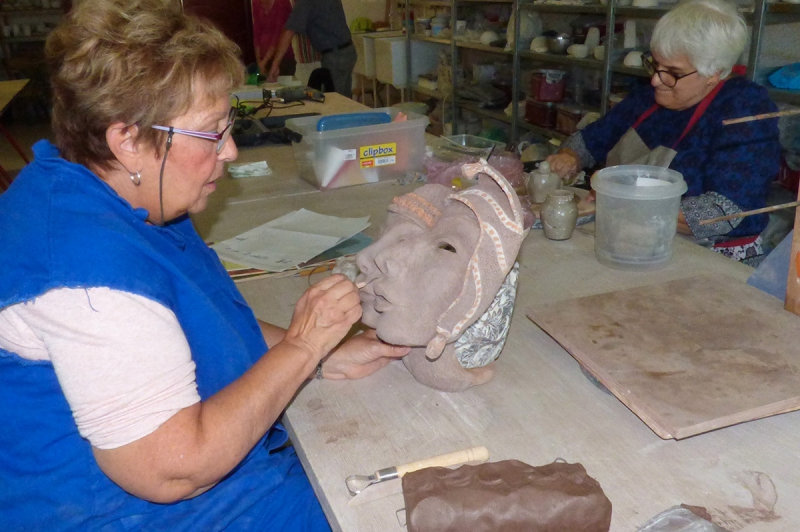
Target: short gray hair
710,33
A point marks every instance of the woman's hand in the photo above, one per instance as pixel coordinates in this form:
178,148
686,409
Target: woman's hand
565,163
324,315
360,356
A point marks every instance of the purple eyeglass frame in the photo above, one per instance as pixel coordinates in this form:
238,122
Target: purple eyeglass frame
220,138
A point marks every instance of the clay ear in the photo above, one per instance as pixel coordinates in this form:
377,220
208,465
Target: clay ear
435,347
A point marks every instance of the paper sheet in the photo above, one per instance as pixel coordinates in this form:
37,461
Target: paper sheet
257,169
288,241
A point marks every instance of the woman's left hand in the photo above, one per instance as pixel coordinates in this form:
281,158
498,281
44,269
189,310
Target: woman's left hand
360,356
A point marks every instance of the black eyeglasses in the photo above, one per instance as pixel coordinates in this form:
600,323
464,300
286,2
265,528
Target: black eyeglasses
667,78
220,138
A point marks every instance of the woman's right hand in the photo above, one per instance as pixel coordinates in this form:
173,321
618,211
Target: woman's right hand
324,315
564,164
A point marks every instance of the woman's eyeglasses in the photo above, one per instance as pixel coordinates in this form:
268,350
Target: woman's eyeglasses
667,78
220,138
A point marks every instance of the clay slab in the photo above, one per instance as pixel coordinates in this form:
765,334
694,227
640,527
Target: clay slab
686,356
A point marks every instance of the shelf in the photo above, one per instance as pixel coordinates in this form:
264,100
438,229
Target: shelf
494,114
483,48
500,116
630,71
431,39
30,38
785,96
594,9
433,93
551,133
30,12
425,3
562,60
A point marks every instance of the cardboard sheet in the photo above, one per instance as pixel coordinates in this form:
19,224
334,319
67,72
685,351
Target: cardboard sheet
687,356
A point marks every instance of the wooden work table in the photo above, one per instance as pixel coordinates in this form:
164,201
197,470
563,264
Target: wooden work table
539,406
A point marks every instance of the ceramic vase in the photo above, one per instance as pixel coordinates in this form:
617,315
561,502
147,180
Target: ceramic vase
541,182
559,214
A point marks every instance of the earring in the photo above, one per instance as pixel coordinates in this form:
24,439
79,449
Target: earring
136,178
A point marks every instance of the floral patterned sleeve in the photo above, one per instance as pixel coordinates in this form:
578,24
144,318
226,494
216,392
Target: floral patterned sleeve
706,206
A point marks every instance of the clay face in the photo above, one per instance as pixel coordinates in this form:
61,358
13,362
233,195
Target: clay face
414,273
437,268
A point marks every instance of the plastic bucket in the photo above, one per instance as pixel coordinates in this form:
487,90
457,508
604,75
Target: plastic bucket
637,215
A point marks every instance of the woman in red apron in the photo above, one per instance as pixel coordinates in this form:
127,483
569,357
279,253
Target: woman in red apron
676,122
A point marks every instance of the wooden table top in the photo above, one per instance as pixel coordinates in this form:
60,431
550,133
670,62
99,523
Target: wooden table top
539,406
9,90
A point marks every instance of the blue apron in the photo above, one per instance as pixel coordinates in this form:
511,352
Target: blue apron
61,226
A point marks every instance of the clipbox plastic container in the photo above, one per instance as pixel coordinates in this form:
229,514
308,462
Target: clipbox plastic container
358,155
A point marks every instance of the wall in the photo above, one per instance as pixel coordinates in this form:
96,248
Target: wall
372,9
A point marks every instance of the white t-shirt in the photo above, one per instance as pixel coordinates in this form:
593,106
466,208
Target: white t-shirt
122,360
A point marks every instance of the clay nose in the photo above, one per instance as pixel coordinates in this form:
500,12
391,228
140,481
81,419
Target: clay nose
389,261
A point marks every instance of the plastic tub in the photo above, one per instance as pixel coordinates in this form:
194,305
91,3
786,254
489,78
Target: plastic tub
457,146
637,214
548,85
542,114
358,155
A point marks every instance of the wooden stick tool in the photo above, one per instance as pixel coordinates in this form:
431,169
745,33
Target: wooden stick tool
764,116
750,213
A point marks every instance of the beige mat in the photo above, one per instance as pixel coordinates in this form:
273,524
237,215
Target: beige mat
686,356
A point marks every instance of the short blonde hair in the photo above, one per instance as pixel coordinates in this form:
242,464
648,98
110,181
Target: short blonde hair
135,62
710,33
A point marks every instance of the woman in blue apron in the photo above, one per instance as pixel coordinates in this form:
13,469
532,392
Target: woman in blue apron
138,390
676,122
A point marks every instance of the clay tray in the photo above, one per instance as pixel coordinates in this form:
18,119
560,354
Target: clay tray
586,208
686,356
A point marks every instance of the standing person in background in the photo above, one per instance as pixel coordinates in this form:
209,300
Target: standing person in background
269,16
324,23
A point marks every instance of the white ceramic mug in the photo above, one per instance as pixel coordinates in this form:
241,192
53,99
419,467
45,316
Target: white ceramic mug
578,50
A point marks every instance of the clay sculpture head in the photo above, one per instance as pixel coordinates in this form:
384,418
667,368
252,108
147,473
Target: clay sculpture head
436,269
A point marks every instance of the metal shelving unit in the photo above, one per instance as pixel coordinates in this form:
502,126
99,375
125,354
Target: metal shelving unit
761,15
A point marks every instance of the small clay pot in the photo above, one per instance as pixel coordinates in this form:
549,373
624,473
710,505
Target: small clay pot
559,215
541,182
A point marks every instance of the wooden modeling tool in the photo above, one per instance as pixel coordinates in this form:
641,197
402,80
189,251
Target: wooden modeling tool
792,301
764,116
750,213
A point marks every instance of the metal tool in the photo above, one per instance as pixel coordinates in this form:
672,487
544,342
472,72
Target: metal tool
297,94
356,483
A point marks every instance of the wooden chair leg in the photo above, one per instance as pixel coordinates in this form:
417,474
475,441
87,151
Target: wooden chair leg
5,179
13,142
